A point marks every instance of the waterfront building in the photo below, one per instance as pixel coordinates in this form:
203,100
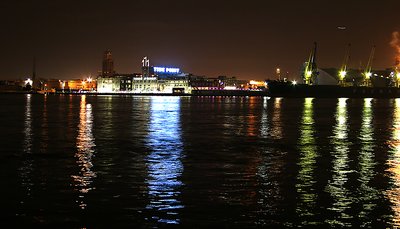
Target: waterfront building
174,85
152,80
12,85
203,83
108,84
72,85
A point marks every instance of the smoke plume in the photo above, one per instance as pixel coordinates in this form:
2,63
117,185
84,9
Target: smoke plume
395,43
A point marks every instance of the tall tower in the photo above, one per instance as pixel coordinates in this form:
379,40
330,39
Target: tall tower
145,67
34,83
108,64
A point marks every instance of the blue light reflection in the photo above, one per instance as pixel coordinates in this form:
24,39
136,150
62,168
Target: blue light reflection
164,162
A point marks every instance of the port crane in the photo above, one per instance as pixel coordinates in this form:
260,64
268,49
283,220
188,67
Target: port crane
368,68
343,68
310,70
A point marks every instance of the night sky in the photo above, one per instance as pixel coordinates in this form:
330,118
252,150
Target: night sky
247,39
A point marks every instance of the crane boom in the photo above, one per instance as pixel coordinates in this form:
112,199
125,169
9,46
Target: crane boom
368,68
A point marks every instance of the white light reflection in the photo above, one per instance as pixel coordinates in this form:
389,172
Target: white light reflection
27,166
271,164
264,120
393,164
28,125
164,162
276,129
336,187
85,152
366,164
44,133
307,163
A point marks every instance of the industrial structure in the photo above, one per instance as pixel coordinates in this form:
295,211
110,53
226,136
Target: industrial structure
310,71
346,77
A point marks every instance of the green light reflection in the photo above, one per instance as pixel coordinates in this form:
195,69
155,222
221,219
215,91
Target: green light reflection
307,163
366,163
337,185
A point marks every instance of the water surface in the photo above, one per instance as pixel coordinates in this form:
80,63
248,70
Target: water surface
126,161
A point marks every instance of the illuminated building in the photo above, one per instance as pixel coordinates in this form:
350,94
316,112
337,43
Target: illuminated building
253,84
108,84
168,80
152,80
73,85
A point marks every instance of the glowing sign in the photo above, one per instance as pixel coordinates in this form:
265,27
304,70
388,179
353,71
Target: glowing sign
166,70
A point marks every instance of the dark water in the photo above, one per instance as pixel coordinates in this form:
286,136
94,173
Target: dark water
122,161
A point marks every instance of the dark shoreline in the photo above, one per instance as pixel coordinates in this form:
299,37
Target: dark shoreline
277,90
196,93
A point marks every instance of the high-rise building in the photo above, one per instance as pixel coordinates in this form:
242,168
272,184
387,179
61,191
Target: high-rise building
108,64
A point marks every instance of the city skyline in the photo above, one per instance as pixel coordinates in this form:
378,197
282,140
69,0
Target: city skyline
209,38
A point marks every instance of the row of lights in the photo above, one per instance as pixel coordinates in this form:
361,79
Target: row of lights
30,82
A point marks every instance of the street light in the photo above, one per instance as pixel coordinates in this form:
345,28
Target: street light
28,81
368,75
342,74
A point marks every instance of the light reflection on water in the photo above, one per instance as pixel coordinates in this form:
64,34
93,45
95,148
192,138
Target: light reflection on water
393,194
276,129
264,119
85,152
164,161
270,170
270,175
307,163
44,138
367,193
28,124
337,185
26,169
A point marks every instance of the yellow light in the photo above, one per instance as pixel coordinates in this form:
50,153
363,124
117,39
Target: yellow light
342,74
89,79
398,75
254,82
368,75
308,74
294,82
